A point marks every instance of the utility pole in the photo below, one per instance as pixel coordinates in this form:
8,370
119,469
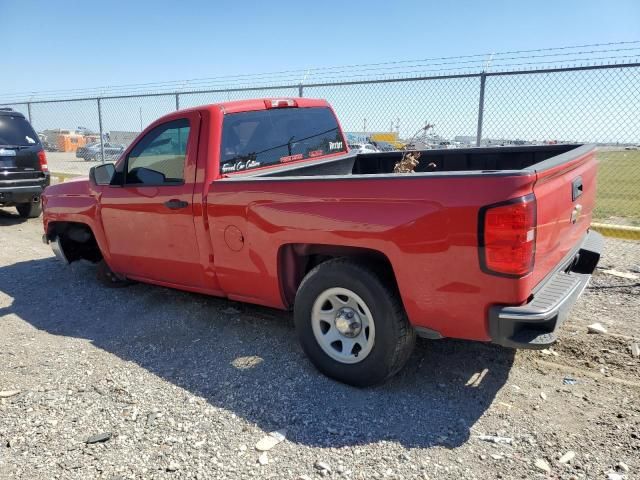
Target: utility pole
140,118
364,126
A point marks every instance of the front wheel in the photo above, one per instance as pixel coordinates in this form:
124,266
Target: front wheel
30,209
351,324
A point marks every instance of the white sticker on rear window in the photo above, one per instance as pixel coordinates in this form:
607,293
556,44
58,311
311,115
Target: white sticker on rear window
335,145
29,139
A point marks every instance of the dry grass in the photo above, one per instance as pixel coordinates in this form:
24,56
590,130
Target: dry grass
618,199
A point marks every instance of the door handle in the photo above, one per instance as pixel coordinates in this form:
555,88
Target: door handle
175,204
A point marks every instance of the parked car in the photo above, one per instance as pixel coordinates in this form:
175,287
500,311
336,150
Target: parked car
93,151
362,148
384,146
259,201
23,165
48,147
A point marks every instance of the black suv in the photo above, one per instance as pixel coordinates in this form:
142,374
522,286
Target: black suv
24,173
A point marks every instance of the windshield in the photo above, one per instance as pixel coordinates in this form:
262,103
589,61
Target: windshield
16,131
268,137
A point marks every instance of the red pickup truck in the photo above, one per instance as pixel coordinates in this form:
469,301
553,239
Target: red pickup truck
260,201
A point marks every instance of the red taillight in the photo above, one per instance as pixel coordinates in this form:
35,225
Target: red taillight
280,103
42,157
507,236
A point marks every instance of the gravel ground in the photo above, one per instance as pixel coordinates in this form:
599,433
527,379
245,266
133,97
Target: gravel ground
66,162
178,385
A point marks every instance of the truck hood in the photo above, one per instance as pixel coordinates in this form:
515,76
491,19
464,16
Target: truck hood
72,187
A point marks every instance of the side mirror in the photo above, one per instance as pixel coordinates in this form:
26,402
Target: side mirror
102,174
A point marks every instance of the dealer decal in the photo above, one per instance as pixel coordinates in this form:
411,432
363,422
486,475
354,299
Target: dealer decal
291,158
239,165
316,153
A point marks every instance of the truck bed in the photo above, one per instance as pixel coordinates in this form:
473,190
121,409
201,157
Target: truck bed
424,222
505,160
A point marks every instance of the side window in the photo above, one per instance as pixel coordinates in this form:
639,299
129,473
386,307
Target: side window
159,156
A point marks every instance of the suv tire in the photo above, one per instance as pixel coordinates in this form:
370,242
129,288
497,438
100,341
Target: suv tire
30,210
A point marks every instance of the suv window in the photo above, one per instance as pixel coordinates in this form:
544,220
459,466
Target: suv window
159,157
16,130
278,135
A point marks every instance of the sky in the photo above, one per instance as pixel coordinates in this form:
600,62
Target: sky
79,44
48,45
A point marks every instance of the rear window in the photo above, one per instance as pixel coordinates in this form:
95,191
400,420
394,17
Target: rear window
16,131
280,135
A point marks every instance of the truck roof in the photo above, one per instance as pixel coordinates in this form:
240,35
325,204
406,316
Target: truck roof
258,104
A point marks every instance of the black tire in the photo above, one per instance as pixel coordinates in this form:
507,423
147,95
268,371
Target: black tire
108,278
394,337
29,210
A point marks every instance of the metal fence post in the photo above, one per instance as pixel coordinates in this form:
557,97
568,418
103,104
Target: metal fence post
177,101
101,133
29,112
300,91
483,80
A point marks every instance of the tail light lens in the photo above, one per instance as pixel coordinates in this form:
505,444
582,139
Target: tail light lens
507,236
42,158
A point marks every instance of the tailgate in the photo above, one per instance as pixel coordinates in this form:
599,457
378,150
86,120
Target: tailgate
19,164
565,192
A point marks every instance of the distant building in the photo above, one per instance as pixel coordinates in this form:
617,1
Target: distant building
66,140
357,137
122,137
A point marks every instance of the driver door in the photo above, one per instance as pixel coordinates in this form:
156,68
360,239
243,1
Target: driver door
147,210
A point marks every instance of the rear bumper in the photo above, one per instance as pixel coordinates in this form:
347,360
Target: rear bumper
535,324
12,193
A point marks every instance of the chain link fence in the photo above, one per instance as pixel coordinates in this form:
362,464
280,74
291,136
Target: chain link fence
593,104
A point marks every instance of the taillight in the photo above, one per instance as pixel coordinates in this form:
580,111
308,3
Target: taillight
280,103
42,158
507,237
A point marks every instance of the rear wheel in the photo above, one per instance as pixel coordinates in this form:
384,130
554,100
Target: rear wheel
351,324
109,278
30,209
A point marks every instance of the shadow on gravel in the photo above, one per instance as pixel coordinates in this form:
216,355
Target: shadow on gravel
246,359
9,216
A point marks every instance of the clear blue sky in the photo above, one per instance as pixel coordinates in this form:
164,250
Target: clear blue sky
50,45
